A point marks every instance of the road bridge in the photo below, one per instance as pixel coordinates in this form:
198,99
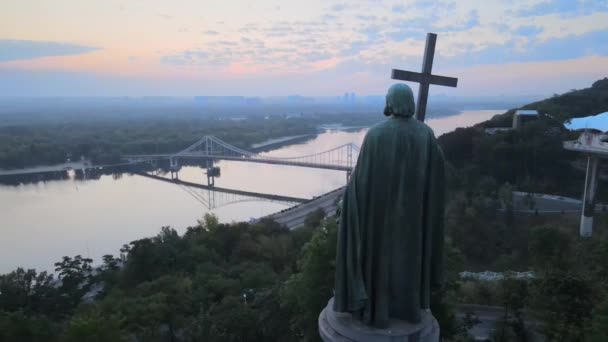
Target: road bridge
212,201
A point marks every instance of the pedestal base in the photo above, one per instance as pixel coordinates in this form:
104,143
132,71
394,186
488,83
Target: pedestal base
341,327
586,226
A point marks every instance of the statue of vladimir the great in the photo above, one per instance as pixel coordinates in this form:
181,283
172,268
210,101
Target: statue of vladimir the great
390,239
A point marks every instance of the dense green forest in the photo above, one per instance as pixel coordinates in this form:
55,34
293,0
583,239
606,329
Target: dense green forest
262,282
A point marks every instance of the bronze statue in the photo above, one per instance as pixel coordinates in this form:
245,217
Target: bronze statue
390,240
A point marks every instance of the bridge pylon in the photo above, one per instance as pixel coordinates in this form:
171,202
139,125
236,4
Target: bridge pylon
174,167
212,172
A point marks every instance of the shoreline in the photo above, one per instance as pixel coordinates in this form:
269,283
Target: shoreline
265,146
67,166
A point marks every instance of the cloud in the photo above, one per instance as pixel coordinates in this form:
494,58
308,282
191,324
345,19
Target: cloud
280,29
356,47
12,50
248,28
528,30
371,32
367,17
339,7
226,43
188,57
398,9
565,8
164,16
555,49
369,38
329,17
405,33
556,26
316,56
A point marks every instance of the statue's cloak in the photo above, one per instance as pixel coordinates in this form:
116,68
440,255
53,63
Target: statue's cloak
390,239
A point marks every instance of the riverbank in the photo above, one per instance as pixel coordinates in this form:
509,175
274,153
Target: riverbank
48,168
272,144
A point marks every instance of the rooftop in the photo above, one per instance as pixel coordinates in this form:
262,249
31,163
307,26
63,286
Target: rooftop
597,122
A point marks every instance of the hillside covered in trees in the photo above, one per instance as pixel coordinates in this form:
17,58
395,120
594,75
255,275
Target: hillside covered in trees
531,158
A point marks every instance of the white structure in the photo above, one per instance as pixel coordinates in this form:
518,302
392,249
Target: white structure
594,143
597,122
522,116
496,276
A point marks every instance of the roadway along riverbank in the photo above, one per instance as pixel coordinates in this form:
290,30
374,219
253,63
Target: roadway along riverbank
524,202
294,217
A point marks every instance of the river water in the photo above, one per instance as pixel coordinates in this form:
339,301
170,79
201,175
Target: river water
43,221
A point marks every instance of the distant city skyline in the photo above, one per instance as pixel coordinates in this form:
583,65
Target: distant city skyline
310,48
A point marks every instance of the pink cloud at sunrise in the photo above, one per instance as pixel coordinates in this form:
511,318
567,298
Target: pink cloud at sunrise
322,48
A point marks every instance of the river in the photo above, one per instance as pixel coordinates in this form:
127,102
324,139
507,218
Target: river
43,221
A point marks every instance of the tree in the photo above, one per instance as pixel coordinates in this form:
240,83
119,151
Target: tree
254,275
598,327
307,292
549,248
19,327
75,274
232,321
93,327
563,302
110,263
273,317
506,197
29,292
151,258
512,325
314,218
155,310
442,304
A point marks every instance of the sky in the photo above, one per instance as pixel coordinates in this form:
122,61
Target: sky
279,48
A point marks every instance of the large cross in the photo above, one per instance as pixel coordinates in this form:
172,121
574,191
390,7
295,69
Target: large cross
425,78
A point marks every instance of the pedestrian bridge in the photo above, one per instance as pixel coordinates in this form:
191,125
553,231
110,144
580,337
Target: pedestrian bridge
342,158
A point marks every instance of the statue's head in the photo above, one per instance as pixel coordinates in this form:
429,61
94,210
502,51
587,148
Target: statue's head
399,101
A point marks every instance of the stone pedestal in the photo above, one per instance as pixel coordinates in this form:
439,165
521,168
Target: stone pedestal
341,327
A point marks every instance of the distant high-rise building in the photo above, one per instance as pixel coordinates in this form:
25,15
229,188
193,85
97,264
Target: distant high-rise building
523,116
348,97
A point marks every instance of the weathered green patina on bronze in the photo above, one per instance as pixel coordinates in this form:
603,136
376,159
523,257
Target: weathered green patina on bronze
390,241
